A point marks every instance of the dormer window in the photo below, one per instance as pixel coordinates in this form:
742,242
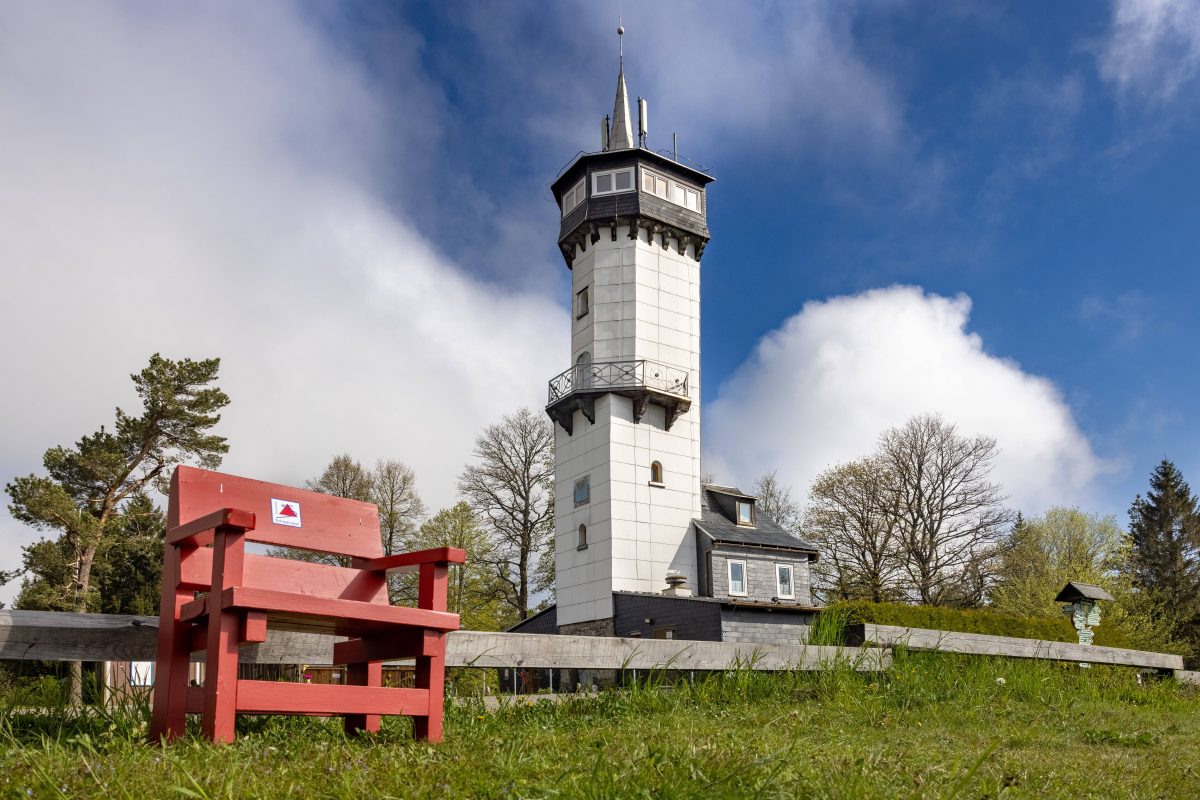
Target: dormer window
612,181
745,513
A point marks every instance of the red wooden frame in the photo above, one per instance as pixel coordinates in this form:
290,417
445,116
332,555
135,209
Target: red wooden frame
210,518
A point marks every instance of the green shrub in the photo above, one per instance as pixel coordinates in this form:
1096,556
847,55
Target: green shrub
975,620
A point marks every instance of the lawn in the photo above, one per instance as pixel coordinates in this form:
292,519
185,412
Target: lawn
933,726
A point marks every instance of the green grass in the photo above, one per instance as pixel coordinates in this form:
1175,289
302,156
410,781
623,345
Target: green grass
933,726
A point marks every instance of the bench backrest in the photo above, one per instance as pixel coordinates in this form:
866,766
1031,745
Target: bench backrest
284,515
287,517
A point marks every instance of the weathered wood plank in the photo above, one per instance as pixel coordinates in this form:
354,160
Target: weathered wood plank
54,636
60,636
63,636
1012,647
478,649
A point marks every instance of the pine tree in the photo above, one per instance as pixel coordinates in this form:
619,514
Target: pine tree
90,487
1164,531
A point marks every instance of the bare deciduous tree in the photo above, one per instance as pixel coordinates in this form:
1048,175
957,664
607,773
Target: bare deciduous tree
949,515
511,488
391,486
394,490
775,500
853,521
343,477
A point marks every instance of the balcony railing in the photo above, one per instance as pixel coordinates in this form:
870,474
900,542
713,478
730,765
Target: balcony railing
619,376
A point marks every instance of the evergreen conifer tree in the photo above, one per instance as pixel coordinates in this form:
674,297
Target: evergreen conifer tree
1164,531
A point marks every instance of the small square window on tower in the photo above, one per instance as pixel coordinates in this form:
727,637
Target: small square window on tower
582,303
583,490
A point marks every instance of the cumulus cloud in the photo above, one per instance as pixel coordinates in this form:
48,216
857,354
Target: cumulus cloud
1152,49
821,388
198,180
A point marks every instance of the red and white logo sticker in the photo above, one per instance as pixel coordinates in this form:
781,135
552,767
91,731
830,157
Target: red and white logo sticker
285,512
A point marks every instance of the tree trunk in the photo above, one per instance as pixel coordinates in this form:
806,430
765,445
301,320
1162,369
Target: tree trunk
83,581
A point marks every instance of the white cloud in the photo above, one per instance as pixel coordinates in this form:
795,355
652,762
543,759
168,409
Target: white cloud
1152,49
198,181
820,389
722,74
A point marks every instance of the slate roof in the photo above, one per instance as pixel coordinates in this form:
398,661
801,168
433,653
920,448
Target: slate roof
715,522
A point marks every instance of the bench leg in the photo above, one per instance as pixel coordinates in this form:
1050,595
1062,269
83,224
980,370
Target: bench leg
224,629
220,677
431,675
368,673
169,717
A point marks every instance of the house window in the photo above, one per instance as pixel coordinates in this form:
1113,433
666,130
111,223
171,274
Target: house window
582,538
656,473
737,577
745,513
612,181
786,587
574,197
583,490
582,303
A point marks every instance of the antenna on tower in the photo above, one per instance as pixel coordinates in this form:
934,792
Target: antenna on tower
643,121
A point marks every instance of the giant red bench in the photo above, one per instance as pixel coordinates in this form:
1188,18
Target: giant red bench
216,596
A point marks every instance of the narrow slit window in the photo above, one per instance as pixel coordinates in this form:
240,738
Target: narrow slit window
583,543
656,472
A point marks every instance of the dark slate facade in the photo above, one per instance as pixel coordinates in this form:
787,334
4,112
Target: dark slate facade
637,209
762,547
657,616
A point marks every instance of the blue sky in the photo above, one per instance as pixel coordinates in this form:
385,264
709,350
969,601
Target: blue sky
986,211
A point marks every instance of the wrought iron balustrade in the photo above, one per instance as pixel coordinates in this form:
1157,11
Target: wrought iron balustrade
618,376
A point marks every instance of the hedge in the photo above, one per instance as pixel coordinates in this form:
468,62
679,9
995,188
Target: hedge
974,620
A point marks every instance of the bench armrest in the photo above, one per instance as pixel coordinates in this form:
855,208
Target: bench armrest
407,561
224,518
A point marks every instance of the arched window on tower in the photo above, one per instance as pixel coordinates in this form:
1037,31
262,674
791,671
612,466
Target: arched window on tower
582,538
656,473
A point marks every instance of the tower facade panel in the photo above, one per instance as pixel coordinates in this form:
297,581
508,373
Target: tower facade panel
642,475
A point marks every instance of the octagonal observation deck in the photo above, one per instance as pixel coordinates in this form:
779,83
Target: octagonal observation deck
643,381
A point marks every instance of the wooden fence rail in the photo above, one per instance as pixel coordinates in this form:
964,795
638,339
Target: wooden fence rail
983,645
61,636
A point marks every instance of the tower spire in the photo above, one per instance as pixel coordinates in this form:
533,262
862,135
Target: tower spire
621,137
